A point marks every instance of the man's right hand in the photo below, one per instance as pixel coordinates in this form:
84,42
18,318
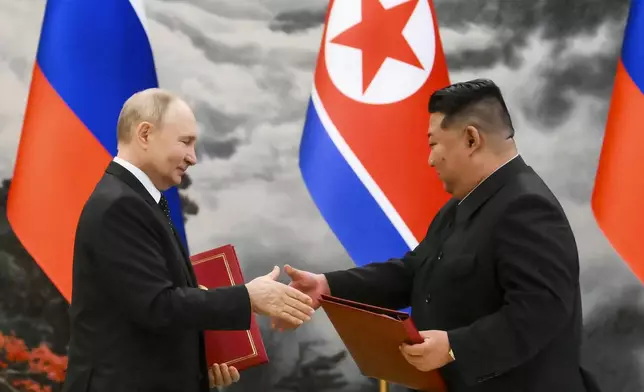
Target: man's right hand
279,301
313,285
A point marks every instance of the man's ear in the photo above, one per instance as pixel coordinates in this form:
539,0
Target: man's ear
473,138
142,134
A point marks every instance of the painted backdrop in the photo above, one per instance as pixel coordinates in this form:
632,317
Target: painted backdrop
246,68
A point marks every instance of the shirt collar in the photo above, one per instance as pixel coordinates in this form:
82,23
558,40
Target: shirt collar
477,185
141,176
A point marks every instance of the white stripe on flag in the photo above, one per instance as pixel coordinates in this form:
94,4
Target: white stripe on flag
362,173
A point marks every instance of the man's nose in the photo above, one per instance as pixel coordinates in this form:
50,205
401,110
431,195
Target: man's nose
191,158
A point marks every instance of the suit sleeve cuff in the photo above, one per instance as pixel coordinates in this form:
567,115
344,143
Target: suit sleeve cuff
246,312
335,281
234,310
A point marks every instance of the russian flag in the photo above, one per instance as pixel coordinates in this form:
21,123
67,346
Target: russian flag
619,185
92,56
364,149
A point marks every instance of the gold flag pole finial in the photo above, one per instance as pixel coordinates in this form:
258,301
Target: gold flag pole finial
383,386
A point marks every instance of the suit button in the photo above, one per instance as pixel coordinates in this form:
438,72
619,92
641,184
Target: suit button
440,255
428,298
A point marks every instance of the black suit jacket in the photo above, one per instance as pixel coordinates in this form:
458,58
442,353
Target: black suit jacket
500,274
136,313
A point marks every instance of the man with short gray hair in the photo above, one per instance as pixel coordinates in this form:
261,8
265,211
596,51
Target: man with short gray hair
137,313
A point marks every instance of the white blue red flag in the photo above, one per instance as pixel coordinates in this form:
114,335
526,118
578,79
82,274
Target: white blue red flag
92,56
619,185
364,148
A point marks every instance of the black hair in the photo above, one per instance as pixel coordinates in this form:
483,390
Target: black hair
478,102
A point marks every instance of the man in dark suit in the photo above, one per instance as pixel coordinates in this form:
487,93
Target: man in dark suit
494,285
137,313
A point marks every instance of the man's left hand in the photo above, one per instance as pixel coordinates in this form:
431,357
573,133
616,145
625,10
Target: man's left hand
432,354
221,375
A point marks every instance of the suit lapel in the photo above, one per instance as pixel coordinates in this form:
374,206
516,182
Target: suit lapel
187,267
186,258
124,175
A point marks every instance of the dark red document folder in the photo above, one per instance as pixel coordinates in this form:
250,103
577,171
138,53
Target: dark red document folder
219,267
373,336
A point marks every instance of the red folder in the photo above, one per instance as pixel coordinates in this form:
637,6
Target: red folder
219,267
373,336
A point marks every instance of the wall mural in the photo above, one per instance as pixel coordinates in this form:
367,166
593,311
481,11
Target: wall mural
246,68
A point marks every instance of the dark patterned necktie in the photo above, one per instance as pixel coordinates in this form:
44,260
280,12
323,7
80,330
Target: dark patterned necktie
163,203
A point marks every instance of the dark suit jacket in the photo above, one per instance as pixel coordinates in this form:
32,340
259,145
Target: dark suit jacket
136,313
500,274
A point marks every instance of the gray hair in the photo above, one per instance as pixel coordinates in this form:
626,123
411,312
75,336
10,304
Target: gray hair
148,105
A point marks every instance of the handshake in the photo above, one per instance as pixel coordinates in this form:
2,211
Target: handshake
288,306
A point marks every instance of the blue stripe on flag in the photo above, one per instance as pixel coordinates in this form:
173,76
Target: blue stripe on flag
352,213
633,46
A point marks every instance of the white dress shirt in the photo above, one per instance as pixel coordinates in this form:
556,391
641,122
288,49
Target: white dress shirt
477,185
142,177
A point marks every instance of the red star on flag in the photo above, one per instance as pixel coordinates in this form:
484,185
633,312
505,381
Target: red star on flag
378,36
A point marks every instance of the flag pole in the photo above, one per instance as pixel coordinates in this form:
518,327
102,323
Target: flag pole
383,386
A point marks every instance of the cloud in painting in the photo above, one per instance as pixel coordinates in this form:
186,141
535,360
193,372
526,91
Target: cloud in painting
560,25
238,9
19,32
297,20
246,68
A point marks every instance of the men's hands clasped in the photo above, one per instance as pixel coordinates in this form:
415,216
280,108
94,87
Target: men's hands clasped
270,298
313,285
281,302
290,306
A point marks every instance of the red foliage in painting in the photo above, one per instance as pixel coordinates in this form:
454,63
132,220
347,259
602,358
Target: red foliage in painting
30,386
21,366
